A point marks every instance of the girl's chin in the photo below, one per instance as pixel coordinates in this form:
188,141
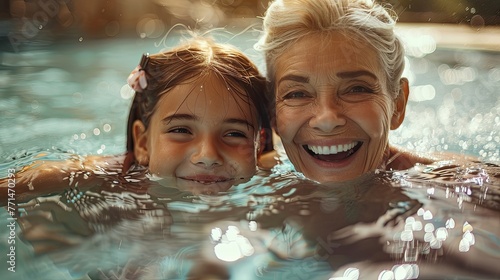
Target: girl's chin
206,188
194,187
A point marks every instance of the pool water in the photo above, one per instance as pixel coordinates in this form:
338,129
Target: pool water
428,222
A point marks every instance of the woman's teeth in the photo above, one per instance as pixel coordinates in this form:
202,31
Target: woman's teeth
331,150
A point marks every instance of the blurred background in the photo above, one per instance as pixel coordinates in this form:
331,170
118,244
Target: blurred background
64,64
24,20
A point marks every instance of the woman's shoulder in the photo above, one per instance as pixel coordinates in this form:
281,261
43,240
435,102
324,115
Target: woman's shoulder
401,159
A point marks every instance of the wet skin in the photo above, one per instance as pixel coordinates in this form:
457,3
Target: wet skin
333,110
201,138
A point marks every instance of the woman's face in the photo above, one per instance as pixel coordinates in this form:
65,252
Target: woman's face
333,111
201,138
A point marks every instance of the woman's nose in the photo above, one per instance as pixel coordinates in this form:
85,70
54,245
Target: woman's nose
327,116
207,154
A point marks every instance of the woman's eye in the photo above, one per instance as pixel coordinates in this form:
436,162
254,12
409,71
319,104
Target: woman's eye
359,89
295,95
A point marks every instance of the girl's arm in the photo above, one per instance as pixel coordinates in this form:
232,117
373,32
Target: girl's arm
45,177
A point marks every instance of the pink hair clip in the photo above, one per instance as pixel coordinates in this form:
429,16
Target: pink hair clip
137,79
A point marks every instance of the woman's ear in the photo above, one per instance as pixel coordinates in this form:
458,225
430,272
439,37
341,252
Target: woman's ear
400,104
140,143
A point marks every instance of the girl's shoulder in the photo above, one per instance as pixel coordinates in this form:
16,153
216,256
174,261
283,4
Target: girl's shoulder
43,177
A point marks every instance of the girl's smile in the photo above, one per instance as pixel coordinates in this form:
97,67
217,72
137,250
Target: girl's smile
200,137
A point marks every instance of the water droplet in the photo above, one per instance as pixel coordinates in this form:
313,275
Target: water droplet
386,275
401,272
450,223
427,215
441,234
410,220
477,21
429,236
106,127
429,227
464,246
351,273
420,212
436,244
467,227
417,226
407,235
126,92
469,237
252,225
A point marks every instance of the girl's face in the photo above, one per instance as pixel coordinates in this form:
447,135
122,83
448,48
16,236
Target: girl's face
333,110
201,137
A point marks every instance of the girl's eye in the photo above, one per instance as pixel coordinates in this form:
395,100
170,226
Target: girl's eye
236,134
179,130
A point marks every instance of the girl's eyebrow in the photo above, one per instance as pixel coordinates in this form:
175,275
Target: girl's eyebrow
189,117
239,121
179,117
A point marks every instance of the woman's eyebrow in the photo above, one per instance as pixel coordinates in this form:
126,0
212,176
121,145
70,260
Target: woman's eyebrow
355,74
179,117
295,78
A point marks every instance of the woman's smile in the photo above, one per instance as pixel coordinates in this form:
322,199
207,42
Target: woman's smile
333,112
333,152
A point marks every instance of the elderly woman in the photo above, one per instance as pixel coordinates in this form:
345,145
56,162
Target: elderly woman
335,68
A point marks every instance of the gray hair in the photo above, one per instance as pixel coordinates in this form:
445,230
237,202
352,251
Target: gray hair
287,21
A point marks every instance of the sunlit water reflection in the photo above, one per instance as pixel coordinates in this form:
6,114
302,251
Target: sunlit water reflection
429,221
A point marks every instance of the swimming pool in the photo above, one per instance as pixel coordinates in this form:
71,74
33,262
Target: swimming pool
428,222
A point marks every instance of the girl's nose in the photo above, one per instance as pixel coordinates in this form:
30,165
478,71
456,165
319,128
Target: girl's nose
327,115
207,154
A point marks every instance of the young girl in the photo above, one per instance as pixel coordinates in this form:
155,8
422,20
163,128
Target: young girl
197,121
